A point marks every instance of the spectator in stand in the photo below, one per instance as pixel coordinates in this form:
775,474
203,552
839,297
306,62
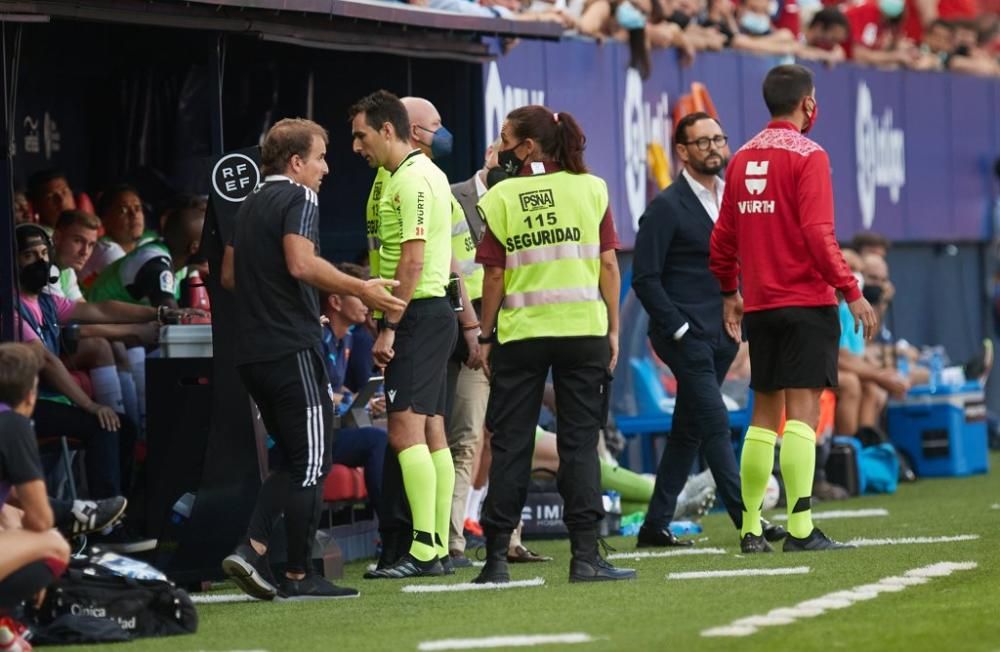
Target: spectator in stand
50,195
32,554
824,39
121,211
869,242
864,387
363,447
876,37
749,29
703,31
968,55
22,209
641,23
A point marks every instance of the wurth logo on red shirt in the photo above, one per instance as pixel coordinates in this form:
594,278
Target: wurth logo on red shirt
755,181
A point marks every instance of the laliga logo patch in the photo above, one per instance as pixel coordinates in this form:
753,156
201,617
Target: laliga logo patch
756,169
167,281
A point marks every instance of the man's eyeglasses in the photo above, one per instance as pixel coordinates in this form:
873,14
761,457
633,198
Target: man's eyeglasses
704,143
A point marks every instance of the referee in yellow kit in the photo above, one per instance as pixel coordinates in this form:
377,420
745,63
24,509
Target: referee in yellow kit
551,294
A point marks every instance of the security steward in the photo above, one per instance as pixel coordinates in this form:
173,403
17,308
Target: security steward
550,301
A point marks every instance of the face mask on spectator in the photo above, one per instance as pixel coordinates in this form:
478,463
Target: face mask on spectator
629,17
36,276
891,8
755,24
873,293
509,161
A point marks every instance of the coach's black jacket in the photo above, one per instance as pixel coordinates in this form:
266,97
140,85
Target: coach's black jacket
670,272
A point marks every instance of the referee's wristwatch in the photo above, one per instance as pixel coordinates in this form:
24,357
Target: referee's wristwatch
391,325
487,338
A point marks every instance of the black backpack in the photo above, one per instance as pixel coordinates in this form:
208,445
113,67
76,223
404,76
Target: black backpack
141,607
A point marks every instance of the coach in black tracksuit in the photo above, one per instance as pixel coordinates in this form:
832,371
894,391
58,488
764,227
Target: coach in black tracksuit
274,268
672,280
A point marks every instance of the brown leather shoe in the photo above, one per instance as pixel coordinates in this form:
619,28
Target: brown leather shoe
522,555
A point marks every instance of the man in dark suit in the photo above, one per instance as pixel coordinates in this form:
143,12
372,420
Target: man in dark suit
682,297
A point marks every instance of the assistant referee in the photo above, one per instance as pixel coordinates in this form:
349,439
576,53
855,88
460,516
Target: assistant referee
776,224
551,289
274,268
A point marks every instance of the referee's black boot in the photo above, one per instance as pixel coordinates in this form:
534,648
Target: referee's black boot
587,564
495,571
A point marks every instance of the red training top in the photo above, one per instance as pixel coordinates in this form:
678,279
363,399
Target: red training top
776,222
869,29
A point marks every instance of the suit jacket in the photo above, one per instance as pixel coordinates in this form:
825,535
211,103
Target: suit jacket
670,272
467,195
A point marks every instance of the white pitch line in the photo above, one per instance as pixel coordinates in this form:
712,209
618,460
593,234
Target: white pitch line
525,640
836,600
911,540
681,552
224,598
469,586
740,572
840,513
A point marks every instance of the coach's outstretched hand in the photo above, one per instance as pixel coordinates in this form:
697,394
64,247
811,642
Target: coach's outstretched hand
732,316
864,315
374,295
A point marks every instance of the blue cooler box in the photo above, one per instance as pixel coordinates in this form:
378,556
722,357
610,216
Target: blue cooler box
943,432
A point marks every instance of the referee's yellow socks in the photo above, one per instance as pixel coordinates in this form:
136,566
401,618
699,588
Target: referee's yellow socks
756,463
444,467
798,464
420,482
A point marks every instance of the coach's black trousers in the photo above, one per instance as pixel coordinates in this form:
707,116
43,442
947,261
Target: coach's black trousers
295,406
580,375
700,424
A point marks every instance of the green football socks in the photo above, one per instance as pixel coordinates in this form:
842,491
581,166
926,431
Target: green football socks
420,482
798,464
632,487
756,464
444,467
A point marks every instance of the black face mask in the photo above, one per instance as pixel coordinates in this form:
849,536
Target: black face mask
509,161
873,293
495,176
35,276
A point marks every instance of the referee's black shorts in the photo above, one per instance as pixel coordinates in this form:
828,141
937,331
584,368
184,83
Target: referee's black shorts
417,377
793,348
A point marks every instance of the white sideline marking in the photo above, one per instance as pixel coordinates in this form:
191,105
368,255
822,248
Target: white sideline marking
912,540
224,598
836,600
667,553
504,641
742,572
995,506
840,513
469,586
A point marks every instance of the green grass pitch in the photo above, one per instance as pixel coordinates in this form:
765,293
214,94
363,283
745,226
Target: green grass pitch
958,612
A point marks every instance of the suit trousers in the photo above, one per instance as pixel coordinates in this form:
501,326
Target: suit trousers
469,391
580,376
700,424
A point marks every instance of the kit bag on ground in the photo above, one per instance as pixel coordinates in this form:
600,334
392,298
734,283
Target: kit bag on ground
130,593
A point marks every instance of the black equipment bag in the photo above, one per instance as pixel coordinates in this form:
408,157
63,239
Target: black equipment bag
141,607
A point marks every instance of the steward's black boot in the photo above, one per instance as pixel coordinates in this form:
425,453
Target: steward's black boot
495,571
587,564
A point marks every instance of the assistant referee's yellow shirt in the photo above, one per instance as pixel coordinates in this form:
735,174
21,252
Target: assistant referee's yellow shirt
416,205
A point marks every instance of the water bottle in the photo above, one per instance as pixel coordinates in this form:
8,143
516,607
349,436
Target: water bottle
902,361
197,297
629,526
680,528
182,508
937,366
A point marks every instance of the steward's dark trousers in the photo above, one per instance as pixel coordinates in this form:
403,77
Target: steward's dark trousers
700,424
581,378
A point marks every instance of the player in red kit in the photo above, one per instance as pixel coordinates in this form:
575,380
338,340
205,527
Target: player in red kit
775,229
